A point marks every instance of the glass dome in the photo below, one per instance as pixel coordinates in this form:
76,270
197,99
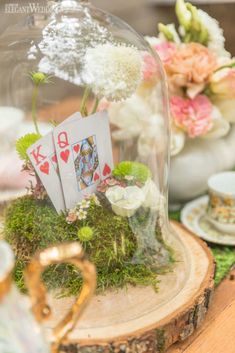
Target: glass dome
94,100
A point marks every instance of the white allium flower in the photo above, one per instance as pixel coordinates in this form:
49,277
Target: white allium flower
216,37
112,71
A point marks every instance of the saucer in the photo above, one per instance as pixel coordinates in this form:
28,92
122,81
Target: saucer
193,216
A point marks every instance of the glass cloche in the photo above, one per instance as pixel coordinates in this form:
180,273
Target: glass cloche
94,147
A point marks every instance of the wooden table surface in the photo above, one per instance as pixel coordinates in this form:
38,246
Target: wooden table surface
217,333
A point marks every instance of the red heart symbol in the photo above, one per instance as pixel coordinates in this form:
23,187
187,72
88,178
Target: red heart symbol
106,170
54,159
65,155
45,168
96,177
76,148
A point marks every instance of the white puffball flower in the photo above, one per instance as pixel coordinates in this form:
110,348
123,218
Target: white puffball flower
112,71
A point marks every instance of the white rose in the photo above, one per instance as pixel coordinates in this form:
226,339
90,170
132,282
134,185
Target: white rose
220,126
227,108
177,140
125,201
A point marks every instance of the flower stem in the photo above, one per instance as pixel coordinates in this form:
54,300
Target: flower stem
95,106
34,103
85,97
229,66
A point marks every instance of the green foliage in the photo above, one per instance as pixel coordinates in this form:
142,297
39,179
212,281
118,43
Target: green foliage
191,23
225,259
137,170
165,29
192,28
23,143
33,224
161,340
85,234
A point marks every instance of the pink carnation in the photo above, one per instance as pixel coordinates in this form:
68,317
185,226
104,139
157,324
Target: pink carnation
194,116
192,63
165,50
72,216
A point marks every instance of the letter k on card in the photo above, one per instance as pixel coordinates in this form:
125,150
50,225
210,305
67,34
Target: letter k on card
43,157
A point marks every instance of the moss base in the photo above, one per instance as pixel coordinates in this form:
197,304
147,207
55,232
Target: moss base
31,225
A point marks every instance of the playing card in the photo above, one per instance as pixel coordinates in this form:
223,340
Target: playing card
42,154
84,154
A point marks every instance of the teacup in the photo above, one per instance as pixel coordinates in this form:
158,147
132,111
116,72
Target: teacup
221,207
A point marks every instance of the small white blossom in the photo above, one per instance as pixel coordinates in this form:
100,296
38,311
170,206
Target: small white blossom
85,204
95,199
129,177
113,71
81,214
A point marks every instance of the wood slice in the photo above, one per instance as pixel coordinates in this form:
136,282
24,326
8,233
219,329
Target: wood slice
139,320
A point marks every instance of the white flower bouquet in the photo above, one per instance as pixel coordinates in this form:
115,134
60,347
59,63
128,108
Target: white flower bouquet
201,80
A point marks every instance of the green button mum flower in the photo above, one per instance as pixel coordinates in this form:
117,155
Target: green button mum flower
39,78
85,234
127,169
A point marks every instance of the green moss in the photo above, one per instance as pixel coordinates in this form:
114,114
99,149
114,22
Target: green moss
161,341
138,171
225,259
31,225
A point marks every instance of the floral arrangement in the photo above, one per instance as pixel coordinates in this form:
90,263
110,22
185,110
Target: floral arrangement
201,81
201,75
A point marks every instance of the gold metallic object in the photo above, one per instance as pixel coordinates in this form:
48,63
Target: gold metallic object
64,253
7,265
5,285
